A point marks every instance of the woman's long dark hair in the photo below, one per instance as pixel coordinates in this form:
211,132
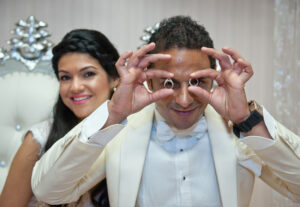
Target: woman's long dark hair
99,47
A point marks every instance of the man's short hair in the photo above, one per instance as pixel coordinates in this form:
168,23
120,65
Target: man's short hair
181,32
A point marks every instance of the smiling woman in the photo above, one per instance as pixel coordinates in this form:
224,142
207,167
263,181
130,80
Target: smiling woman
81,79
84,63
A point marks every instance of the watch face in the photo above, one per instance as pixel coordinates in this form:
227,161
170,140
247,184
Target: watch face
254,106
251,105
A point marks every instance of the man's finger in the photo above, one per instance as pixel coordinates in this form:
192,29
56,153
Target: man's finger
208,73
121,62
135,59
247,71
233,53
224,60
160,94
205,73
152,58
201,93
153,73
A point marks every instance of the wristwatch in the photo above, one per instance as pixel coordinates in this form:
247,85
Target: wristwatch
256,115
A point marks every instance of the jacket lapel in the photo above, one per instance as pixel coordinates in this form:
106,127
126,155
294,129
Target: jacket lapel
222,144
133,152
134,145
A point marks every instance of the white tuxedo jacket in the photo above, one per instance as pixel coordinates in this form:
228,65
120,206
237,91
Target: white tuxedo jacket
70,168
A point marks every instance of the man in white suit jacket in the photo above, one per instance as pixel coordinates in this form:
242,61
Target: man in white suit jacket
178,151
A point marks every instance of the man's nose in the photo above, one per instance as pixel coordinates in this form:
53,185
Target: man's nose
183,97
76,85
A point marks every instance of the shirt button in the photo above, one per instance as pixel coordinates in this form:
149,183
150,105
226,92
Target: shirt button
184,178
181,150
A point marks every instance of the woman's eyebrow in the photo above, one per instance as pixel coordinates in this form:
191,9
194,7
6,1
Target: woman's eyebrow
88,67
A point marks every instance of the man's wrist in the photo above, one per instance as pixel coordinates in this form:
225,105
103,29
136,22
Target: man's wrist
113,116
253,119
244,118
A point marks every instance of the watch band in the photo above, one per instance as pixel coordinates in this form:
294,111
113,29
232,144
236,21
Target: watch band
254,118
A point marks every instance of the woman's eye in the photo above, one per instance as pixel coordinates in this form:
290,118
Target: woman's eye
64,78
168,83
89,74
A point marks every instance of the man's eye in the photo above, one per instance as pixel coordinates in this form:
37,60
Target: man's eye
168,83
195,82
89,74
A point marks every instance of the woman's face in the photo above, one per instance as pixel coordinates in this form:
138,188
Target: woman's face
84,84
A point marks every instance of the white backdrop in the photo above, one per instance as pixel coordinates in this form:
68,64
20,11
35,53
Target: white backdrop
265,32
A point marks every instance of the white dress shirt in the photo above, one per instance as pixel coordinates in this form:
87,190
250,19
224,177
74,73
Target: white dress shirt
179,169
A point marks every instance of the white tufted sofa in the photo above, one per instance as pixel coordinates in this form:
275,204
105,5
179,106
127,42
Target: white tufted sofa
27,97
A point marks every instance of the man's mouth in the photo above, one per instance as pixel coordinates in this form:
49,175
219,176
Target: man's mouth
185,112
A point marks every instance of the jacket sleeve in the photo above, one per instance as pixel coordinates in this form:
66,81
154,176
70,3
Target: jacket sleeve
75,163
280,158
60,175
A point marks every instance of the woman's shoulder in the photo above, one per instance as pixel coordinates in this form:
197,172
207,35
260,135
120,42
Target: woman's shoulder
42,126
40,132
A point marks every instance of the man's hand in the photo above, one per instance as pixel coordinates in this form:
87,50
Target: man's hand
229,98
131,94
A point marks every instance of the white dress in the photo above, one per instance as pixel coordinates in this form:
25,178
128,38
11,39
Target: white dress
40,134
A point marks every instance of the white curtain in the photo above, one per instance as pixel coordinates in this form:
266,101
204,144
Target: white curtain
287,62
286,87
